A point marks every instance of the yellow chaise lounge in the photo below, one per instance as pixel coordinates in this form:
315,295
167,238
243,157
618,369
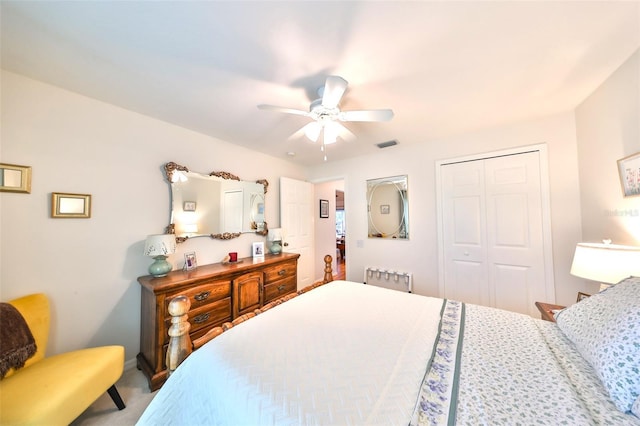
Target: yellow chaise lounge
57,389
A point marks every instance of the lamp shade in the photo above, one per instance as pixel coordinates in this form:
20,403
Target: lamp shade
605,263
275,234
160,245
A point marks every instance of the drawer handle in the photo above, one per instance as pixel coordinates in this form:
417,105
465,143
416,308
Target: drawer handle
281,287
202,296
201,318
282,272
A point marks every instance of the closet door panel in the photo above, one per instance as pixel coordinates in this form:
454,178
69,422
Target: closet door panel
464,235
514,231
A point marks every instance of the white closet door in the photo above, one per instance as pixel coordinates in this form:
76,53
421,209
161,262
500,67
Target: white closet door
463,206
514,232
492,232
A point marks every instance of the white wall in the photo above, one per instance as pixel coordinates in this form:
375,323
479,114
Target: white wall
608,129
419,254
89,267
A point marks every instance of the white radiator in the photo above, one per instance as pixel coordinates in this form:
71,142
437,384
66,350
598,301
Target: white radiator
394,280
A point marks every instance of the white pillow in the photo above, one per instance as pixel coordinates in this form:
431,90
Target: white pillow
605,328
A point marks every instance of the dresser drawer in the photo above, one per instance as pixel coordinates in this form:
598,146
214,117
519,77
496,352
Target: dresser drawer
279,289
206,317
278,272
202,294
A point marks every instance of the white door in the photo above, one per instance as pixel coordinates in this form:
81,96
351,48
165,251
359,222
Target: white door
493,232
465,253
296,221
232,211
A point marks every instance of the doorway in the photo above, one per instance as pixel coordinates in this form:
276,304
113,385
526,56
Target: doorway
341,237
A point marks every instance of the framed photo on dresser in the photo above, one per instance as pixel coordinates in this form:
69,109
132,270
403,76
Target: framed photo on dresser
258,249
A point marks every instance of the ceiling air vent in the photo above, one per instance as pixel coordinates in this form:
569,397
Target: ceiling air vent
387,144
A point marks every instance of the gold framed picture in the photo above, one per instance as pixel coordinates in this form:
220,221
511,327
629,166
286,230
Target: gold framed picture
14,178
66,206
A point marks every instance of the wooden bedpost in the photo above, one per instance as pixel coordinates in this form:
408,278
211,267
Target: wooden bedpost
328,276
179,341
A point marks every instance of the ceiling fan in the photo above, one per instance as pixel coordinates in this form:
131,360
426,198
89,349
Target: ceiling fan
326,114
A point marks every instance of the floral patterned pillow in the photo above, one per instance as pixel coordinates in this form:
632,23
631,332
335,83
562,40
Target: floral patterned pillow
606,330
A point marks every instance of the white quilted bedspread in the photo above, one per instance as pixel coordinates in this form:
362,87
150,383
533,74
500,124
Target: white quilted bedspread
261,371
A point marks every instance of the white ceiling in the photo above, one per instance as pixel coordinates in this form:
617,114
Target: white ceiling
444,67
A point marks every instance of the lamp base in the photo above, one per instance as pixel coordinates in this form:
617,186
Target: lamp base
275,248
160,268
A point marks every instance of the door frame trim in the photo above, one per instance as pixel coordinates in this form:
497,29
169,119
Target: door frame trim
545,197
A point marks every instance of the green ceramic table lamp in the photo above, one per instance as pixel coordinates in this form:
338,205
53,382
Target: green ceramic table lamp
275,237
159,247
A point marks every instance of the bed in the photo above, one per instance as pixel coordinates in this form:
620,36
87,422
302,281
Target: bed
349,353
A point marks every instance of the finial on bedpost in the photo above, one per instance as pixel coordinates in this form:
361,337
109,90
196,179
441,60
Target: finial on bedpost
328,276
179,341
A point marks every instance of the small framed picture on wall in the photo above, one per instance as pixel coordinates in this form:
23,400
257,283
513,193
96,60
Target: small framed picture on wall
324,209
629,171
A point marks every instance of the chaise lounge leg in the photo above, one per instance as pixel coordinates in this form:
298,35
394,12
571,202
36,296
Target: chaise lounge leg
113,393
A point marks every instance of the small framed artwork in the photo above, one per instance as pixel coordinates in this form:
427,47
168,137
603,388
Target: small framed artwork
582,296
65,205
629,171
324,209
14,178
189,206
384,209
258,249
190,261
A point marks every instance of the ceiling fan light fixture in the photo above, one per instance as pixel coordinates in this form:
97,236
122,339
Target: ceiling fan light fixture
312,130
326,115
331,130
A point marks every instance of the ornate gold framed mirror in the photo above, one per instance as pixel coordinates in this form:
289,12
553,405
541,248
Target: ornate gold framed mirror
218,205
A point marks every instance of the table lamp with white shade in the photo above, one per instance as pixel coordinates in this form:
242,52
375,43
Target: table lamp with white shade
275,237
606,263
159,247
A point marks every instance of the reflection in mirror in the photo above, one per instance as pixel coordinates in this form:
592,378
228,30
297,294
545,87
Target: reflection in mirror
388,207
218,205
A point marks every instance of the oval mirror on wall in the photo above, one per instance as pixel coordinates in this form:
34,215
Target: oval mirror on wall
388,207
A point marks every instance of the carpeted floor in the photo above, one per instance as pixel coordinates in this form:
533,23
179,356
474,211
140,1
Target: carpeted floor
133,389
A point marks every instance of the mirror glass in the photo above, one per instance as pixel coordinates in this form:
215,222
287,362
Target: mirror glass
388,207
218,205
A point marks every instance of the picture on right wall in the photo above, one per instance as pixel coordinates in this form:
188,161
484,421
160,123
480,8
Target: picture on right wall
629,170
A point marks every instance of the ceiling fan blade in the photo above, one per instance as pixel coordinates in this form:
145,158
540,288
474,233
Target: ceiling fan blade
283,109
367,115
334,88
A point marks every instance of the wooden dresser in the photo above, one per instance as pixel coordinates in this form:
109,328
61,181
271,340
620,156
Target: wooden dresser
218,293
